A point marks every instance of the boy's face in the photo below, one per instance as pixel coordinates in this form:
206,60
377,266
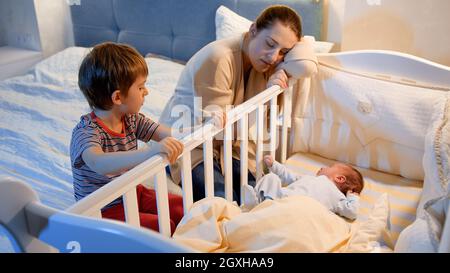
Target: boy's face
133,102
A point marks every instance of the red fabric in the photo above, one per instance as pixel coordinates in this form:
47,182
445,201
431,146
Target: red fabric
148,212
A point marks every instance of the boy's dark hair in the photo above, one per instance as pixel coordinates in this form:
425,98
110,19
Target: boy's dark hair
106,68
283,14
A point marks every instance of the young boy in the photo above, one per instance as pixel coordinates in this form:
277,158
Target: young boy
337,187
104,143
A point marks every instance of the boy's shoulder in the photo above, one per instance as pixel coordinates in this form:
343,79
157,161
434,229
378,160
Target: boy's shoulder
86,122
135,118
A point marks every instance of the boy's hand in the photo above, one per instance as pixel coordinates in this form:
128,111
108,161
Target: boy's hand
172,147
268,160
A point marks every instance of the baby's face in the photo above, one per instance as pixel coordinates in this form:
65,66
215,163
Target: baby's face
333,171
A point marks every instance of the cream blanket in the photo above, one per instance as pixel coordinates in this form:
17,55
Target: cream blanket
293,224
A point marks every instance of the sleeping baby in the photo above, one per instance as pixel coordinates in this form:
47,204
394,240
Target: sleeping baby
337,187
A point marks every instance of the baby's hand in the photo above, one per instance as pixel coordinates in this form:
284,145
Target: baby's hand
172,147
268,160
352,192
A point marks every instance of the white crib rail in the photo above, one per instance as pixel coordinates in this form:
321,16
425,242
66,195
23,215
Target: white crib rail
126,184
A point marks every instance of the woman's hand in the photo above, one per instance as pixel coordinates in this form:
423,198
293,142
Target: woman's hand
172,147
279,78
219,118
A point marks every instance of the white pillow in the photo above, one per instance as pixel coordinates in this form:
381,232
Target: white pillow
367,235
424,234
229,24
436,159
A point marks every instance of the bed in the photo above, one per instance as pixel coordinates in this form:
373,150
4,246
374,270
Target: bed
42,160
42,107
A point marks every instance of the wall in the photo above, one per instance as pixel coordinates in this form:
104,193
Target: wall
333,21
417,27
2,25
41,25
55,25
18,24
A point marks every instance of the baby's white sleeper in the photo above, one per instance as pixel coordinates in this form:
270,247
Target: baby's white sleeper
282,183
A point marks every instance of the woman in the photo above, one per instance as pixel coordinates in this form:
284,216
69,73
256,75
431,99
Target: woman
228,72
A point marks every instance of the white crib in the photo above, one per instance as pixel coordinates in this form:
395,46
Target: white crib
154,168
398,68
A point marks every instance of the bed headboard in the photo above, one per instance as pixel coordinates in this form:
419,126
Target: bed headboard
173,28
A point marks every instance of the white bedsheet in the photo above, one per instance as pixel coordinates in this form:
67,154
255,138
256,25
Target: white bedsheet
39,111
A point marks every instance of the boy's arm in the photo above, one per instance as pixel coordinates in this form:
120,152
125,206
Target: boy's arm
161,133
117,162
286,176
147,129
348,207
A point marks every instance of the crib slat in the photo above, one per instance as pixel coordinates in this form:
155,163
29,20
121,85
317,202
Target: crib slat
286,119
228,164
259,140
162,201
130,205
273,126
208,167
186,180
243,122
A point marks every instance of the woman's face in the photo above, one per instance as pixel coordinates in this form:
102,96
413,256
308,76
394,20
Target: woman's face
267,47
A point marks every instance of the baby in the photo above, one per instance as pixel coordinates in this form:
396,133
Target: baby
337,187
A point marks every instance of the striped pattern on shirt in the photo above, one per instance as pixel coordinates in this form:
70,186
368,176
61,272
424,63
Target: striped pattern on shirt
91,132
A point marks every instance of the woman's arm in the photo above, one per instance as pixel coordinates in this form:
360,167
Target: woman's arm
300,61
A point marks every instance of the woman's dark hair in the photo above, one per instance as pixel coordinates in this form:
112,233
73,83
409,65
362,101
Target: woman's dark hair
283,14
106,68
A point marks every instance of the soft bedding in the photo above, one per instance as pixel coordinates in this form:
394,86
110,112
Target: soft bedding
39,111
291,224
403,194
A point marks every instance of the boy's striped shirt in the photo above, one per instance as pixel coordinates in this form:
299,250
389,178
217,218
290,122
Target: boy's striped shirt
91,132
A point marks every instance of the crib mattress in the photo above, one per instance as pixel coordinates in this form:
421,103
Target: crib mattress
403,194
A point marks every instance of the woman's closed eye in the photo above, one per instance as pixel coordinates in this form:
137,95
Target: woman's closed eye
270,44
284,51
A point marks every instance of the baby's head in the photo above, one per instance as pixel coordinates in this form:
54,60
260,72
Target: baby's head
111,67
344,176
